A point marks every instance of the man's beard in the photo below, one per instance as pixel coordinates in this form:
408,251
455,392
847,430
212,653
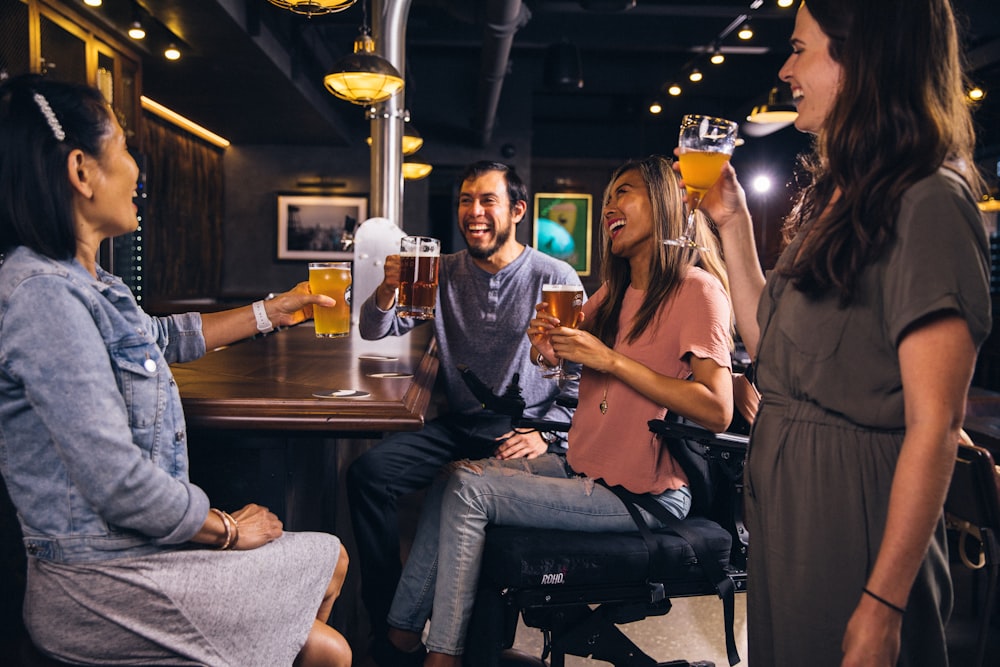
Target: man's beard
485,253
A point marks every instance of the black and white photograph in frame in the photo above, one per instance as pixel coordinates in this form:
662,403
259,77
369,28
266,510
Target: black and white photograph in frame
319,227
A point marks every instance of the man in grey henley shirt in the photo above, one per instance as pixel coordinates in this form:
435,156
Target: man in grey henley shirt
486,297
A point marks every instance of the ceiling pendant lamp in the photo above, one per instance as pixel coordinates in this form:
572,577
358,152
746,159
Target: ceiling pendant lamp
364,77
414,171
412,141
778,109
313,7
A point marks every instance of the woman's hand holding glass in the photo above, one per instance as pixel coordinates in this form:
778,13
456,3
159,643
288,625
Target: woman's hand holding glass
539,330
563,306
558,343
295,305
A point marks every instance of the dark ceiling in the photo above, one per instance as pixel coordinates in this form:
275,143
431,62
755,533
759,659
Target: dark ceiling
253,72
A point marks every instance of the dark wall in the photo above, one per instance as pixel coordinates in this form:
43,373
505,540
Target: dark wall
255,175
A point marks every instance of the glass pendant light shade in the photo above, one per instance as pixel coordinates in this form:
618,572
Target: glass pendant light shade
777,110
412,141
313,7
364,77
414,171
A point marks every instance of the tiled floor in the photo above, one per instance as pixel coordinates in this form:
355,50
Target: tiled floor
693,630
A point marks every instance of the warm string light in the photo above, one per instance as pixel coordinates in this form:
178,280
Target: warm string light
744,31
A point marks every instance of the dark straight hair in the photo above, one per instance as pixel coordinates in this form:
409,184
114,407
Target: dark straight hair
667,265
899,116
36,202
516,189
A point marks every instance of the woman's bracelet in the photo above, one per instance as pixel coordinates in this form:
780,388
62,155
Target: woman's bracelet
888,604
232,529
540,360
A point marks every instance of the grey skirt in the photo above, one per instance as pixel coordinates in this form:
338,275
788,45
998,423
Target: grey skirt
192,606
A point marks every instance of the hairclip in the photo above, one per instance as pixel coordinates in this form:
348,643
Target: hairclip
50,116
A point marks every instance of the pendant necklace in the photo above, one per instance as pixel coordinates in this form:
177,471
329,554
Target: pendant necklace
604,401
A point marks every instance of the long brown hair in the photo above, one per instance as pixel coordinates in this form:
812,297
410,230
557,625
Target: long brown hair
668,264
899,116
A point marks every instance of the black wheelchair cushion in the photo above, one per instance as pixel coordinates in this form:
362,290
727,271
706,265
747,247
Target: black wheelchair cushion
528,557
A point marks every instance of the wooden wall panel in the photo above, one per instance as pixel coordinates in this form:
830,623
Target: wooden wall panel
185,186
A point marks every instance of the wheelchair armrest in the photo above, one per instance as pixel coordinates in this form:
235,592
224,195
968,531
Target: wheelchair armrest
735,443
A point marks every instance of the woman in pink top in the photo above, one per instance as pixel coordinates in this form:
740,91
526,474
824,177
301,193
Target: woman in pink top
656,321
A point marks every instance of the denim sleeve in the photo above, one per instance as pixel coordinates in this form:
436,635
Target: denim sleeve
180,337
58,354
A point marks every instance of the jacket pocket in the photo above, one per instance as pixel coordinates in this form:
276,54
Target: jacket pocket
137,366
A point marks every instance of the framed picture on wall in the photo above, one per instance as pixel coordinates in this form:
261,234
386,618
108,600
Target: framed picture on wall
563,228
318,227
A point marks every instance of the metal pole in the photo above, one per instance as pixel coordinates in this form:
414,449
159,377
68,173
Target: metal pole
387,118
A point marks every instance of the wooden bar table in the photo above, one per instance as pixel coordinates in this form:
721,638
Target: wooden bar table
271,382
258,433
255,411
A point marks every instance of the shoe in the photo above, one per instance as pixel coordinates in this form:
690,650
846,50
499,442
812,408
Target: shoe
386,654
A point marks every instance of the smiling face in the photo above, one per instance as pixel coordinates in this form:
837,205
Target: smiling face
628,215
812,73
486,217
112,211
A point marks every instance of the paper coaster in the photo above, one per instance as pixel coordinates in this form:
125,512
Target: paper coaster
342,393
390,376
377,357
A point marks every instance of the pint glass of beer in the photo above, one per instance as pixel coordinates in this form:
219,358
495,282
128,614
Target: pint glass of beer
418,277
332,279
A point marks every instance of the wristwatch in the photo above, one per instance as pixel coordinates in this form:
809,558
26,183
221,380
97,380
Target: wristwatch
549,437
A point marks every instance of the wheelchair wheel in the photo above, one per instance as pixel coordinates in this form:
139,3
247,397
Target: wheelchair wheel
511,657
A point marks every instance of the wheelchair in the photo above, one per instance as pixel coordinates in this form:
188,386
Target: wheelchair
577,587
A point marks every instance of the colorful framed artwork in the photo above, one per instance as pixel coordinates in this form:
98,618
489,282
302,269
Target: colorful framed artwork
318,227
563,228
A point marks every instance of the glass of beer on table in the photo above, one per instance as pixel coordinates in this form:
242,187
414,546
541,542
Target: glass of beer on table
565,302
334,280
418,277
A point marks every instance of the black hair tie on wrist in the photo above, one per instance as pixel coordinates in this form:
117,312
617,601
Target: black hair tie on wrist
884,601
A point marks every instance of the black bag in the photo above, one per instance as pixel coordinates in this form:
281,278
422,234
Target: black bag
694,461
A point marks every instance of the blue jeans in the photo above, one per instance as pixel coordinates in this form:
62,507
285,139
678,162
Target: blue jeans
538,493
400,464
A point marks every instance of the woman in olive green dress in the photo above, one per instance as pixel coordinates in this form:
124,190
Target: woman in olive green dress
865,337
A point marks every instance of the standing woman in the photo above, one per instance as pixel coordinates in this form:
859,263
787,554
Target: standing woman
127,564
865,336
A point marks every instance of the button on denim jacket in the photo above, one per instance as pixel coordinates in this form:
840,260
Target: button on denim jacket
93,446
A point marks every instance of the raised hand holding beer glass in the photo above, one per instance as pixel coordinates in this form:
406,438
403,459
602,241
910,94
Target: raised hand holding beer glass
705,144
565,303
418,277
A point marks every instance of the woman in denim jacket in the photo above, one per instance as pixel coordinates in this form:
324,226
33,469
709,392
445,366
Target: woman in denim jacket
121,564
